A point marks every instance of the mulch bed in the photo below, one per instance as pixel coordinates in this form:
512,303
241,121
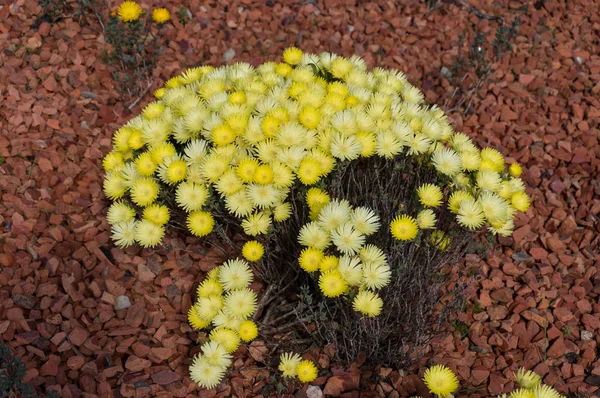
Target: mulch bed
89,319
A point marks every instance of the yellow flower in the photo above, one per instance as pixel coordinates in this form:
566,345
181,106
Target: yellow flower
112,161
368,303
144,191
263,174
430,195
520,201
195,320
161,15
148,234
253,250
332,284
439,239
158,214
404,227
527,378
515,170
205,374
522,393
248,331
288,362
440,380
200,223
159,93
129,11
310,258
470,214
306,371
226,337
544,391
292,56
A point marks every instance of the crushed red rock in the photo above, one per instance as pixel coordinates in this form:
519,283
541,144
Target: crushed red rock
62,281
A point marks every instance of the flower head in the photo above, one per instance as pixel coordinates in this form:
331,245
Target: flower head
129,11
521,393
470,214
376,276
123,233
306,371
292,56
312,235
161,15
226,337
544,391
148,234
248,331
440,380
205,374
216,354
426,219
404,227
520,201
430,195
347,240
527,378
195,320
200,223
235,274
364,220
332,284
240,303
288,363
368,303
310,259
119,212
253,250
257,224
515,170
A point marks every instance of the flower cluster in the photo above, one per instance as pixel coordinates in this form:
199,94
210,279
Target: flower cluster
442,382
224,305
244,137
335,247
292,365
130,11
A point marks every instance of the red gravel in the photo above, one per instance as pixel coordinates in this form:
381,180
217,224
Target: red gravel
61,279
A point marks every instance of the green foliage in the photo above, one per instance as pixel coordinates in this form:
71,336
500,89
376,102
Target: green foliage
135,51
461,328
12,371
55,10
183,15
474,64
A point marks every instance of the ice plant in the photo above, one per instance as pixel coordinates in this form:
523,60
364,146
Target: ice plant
281,144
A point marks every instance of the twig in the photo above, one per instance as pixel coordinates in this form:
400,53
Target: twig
264,300
478,13
139,98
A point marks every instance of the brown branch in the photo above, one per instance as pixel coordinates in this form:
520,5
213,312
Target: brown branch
475,11
139,98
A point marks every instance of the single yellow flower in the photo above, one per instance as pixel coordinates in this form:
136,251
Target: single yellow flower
404,227
440,380
253,250
292,56
515,170
161,15
306,371
129,11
